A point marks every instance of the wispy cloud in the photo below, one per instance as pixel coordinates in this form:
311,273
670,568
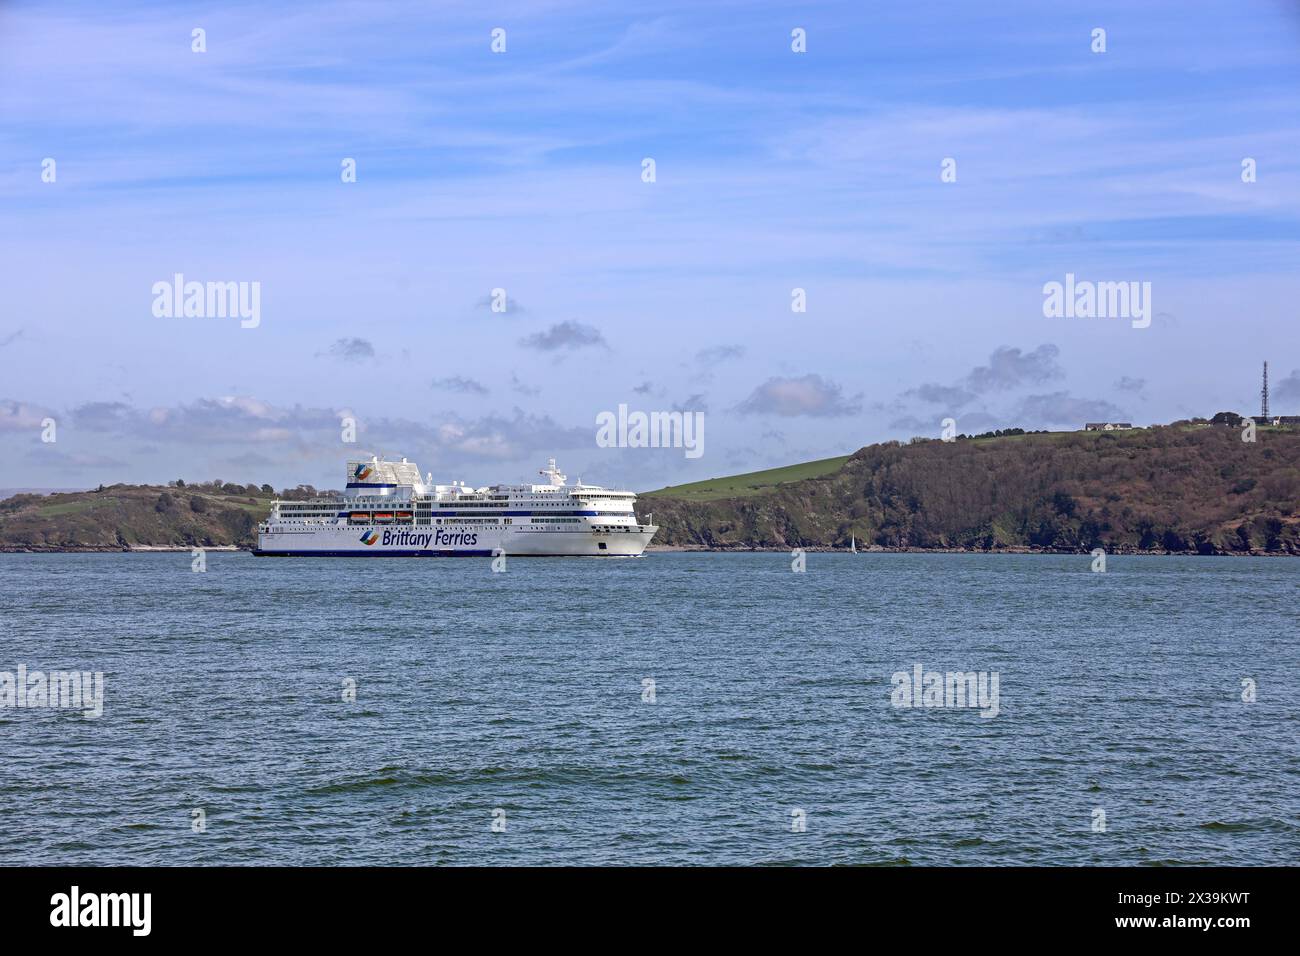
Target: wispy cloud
1008,368
717,354
1287,389
953,396
565,336
457,383
233,426
351,350
520,387
1062,408
16,416
809,395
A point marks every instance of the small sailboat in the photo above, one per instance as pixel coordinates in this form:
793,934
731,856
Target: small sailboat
853,544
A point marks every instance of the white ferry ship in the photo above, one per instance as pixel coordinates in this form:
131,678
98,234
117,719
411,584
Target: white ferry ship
388,511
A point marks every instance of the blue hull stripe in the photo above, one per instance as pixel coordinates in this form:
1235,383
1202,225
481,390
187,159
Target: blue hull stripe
405,553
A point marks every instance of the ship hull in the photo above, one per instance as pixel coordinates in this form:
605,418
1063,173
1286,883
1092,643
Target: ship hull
424,542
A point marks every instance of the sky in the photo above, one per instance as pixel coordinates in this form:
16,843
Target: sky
919,171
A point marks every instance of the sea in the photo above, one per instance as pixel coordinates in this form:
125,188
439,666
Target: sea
677,709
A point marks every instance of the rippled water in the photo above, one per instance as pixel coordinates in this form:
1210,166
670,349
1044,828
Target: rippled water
524,691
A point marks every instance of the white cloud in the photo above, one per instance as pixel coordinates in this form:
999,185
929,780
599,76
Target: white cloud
809,395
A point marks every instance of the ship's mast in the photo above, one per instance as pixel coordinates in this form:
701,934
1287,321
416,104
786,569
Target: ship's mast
552,473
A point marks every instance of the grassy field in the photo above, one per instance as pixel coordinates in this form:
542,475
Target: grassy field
753,483
66,508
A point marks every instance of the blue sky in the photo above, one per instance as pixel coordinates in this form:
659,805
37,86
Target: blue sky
522,171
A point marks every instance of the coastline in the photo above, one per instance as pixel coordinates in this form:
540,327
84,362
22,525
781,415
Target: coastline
878,549
702,549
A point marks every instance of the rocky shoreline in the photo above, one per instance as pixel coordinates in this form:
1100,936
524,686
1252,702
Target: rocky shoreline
877,549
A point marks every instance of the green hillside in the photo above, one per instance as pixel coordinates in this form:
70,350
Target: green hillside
122,517
1185,488
751,483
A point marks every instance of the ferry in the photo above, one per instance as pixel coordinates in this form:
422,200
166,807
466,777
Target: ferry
388,510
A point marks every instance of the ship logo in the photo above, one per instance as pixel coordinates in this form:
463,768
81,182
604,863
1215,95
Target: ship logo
370,537
362,472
